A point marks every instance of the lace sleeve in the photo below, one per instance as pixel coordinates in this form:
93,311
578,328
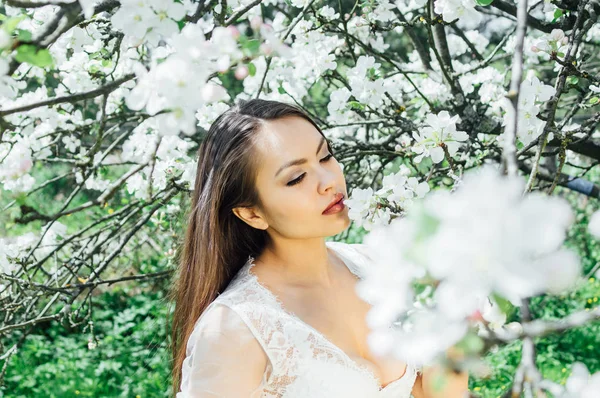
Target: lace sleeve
223,358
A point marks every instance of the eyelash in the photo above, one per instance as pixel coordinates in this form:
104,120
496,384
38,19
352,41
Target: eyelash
299,179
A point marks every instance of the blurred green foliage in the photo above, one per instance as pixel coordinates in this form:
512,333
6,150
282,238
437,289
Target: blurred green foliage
130,360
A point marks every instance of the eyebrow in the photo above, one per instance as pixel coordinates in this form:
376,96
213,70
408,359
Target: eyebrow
299,161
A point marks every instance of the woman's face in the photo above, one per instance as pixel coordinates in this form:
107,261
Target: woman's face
295,194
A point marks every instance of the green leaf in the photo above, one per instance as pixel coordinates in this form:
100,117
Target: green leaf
505,306
281,90
557,14
11,24
251,46
23,35
356,105
594,100
484,2
520,145
34,56
251,69
560,54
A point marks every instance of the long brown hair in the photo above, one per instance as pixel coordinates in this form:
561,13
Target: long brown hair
217,243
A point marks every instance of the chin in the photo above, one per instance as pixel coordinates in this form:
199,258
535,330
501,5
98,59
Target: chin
339,224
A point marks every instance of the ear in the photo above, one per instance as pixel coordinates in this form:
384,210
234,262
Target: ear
251,217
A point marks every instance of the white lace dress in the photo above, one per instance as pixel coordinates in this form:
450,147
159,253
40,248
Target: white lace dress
247,321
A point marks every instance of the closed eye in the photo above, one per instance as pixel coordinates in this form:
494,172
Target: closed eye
297,180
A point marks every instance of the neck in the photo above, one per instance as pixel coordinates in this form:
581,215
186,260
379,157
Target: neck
302,263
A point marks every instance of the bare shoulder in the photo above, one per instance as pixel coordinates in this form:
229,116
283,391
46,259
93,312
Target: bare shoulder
417,390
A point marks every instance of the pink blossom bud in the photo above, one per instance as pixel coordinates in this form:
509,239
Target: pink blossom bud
255,22
476,316
535,49
234,31
241,72
212,92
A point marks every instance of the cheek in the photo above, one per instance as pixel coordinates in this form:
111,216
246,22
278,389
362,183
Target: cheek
289,204
296,205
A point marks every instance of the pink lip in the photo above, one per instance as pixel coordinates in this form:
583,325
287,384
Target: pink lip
339,197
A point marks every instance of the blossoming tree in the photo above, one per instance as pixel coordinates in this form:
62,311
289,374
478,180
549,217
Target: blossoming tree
455,120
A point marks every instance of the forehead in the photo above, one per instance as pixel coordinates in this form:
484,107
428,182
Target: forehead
285,139
287,132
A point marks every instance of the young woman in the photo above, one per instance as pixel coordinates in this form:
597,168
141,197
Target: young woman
265,307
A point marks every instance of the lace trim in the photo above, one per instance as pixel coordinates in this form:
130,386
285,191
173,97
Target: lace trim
410,371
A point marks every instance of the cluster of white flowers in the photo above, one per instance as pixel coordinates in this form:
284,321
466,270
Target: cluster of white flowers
383,11
555,42
16,162
464,10
397,190
172,159
149,20
486,238
13,250
400,189
337,106
167,84
533,93
328,13
366,90
358,26
440,131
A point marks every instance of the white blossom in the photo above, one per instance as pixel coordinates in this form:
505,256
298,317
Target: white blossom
556,42
464,10
440,130
148,20
484,238
328,13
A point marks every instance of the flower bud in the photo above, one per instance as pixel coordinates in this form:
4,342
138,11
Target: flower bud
255,22
234,31
241,72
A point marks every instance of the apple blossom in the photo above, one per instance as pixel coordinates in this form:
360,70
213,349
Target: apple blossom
484,238
440,131
464,10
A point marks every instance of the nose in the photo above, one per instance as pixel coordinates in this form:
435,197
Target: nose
327,180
